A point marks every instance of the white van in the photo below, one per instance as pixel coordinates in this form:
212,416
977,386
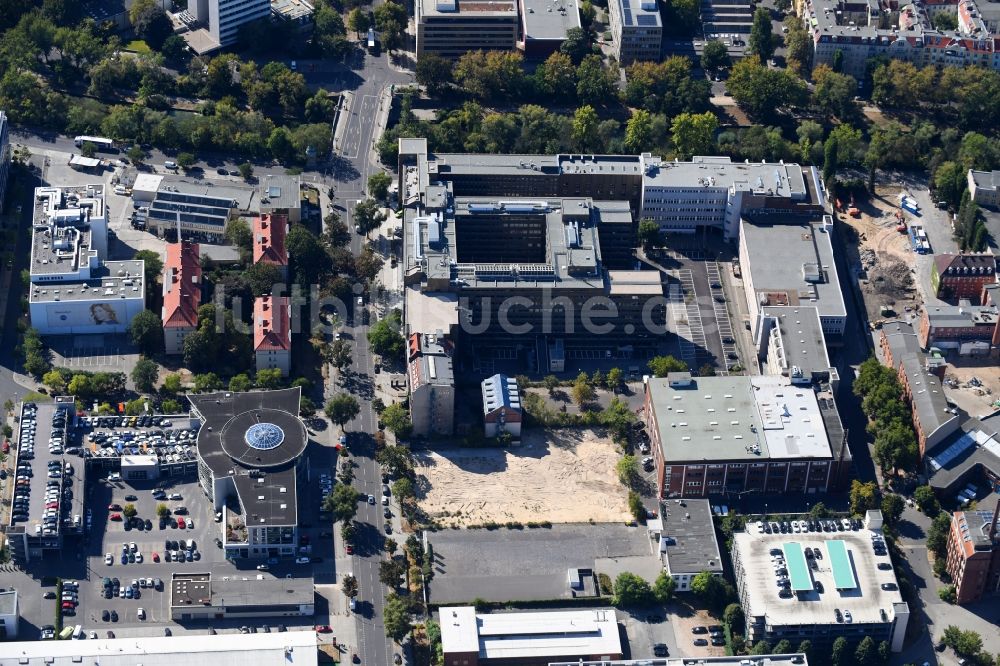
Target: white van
170,164
78,632
120,190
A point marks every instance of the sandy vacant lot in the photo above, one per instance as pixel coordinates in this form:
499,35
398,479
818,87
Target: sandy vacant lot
563,476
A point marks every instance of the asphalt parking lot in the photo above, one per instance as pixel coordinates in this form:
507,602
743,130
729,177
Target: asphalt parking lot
83,559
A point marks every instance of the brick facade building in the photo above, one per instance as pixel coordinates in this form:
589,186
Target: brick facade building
958,276
974,554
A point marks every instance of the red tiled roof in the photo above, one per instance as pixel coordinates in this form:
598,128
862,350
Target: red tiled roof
269,239
272,329
181,285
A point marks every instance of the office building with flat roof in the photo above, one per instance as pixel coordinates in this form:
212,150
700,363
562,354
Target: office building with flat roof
715,192
789,261
636,30
202,596
716,435
451,28
199,211
218,22
10,615
819,586
181,294
974,554
272,333
250,464
281,195
544,24
73,288
469,638
291,648
431,383
524,268
688,544
298,13
790,342
984,187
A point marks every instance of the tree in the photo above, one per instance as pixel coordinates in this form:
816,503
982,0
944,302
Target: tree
269,378
866,652
834,93
172,384
129,511
806,648
403,489
144,374
576,45
433,72
246,170
660,366
395,460
342,409
357,21
950,182
783,647
733,617
631,590
396,419
152,268
585,122
339,354
636,507
262,278
385,338
627,468
864,496
208,381
663,587
708,588
396,617
614,379
391,572
239,234
595,84
329,32
368,216
55,380
694,134
639,132
937,534
926,501
342,502
557,76
162,510
185,160
762,91
761,40
240,383
761,648
838,652
715,56
136,154
583,393
146,332
378,185
349,586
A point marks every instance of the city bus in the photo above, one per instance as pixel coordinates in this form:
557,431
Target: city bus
100,142
371,39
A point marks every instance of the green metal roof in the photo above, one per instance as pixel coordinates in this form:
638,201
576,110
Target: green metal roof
843,572
798,570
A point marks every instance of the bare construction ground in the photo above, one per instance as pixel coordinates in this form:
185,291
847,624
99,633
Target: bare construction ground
560,476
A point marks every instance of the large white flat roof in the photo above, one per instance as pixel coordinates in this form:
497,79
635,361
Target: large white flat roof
538,634
147,182
293,648
864,601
